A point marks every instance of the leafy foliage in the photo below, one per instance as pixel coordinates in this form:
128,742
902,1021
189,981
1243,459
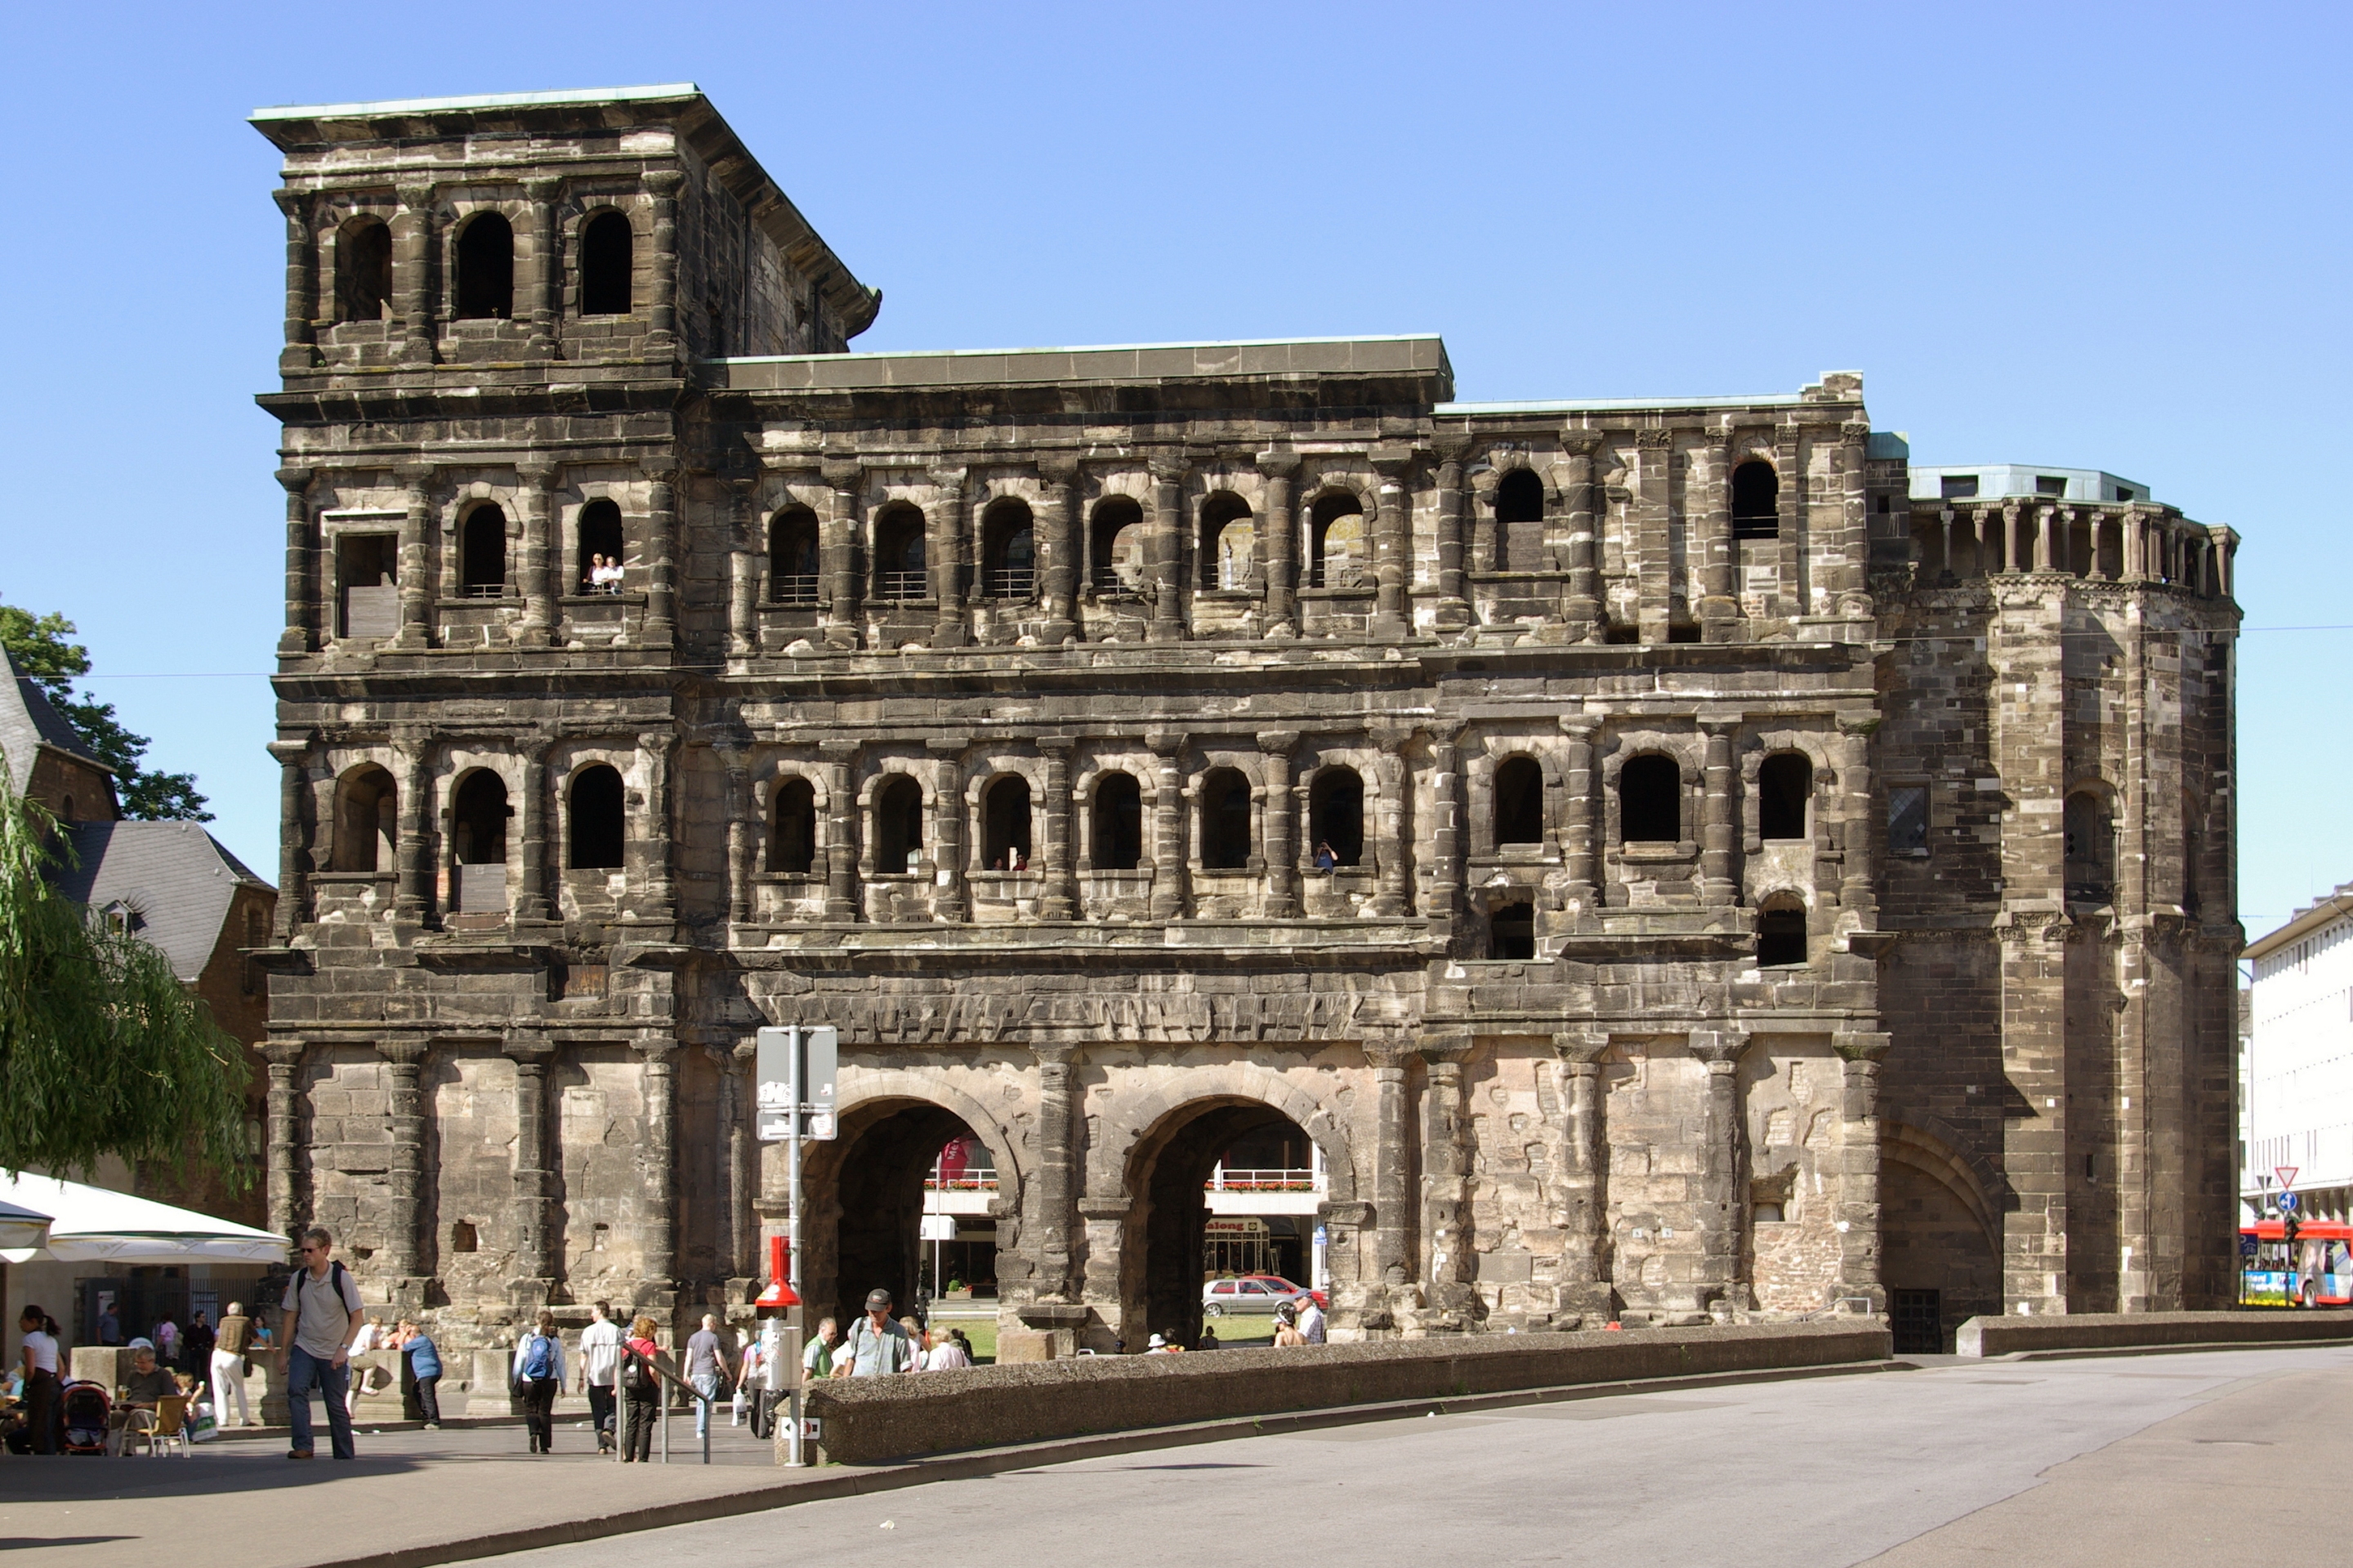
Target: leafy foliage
102,1050
43,652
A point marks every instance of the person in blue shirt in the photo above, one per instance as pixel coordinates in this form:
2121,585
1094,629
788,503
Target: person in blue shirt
424,1366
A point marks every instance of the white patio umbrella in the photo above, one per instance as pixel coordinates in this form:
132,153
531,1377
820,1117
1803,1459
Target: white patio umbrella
22,1228
92,1224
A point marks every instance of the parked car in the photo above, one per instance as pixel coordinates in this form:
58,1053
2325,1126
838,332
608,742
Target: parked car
1252,1293
1296,1290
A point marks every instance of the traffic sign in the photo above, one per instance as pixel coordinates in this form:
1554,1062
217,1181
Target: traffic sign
2247,1245
2286,1174
778,1072
2287,1202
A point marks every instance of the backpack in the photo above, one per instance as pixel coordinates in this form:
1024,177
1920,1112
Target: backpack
334,1285
637,1377
539,1361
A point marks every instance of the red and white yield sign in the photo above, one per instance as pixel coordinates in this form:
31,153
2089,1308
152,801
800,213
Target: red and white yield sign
2286,1174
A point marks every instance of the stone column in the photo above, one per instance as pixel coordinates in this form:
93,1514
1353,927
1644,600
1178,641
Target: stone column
412,891
1170,892
412,266
542,557
1720,1202
307,580
1060,900
284,1060
1789,519
1281,848
740,843
948,889
2013,556
416,587
743,572
536,273
1446,833
1859,885
1393,1172
661,302
1855,520
659,1162
403,1257
299,356
1487,544
1858,1207
945,521
1584,611
1719,882
1167,624
1391,566
1657,591
661,546
837,553
1059,539
1583,1213
740,1065
1454,587
1580,843
1719,610
531,900
841,830
2044,521
1391,895
1058,1167
536,1263
293,836
1446,1182
1282,541
656,747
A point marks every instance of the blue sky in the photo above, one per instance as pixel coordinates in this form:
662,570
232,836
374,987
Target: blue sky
2098,236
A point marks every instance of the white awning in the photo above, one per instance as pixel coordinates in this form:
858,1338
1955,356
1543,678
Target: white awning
21,1227
92,1224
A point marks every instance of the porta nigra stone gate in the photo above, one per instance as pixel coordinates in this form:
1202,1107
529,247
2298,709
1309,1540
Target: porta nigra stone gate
1660,866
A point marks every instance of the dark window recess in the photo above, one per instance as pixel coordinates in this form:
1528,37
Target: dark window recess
479,821
367,567
485,268
1229,539
1682,631
792,829
1755,501
1008,552
1225,821
462,1237
366,820
1519,801
363,270
482,556
1649,800
1118,822
1917,1318
1115,546
792,557
2050,485
1957,486
2091,848
898,826
1336,815
1907,819
1337,545
605,261
898,571
1006,813
1781,935
1784,785
1512,932
1519,522
596,818
600,534
2125,492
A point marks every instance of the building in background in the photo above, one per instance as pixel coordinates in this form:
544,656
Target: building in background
2299,1083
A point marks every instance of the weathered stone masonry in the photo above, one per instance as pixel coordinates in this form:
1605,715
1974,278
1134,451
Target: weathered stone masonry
999,709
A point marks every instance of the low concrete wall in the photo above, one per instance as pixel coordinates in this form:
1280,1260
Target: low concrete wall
868,1420
2129,1330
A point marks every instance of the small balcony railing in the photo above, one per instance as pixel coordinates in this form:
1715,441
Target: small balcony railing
483,590
977,1181
902,585
795,593
1011,582
1225,1181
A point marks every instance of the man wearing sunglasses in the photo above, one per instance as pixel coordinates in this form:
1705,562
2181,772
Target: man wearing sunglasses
322,1320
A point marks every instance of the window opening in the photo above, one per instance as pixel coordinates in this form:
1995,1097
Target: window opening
1512,932
1116,536
482,554
1907,819
596,818
1519,801
899,572
485,268
1229,539
1008,552
606,257
601,566
792,557
1225,821
2050,485
792,828
1782,934
1649,800
363,270
1337,542
1519,522
1957,486
1755,501
1784,785
1006,824
2091,848
1335,816
1118,822
367,565
366,820
898,825
463,1237
479,822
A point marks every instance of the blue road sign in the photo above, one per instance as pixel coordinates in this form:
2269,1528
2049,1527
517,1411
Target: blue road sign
2247,1246
2287,1202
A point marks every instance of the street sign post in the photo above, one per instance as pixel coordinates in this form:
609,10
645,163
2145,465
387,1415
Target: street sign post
2289,1202
795,1099
2286,1174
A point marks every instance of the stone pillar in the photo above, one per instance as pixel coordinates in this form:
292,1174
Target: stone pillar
1393,1172
1454,587
656,747
662,303
841,830
948,890
1721,1201
1170,893
1719,610
299,356
837,553
1580,843
1855,520
1858,884
1719,882
1391,567
740,1065
659,1164
2043,522
1446,1184
1858,1207
1281,848
536,1263
1057,1168
1282,543
1584,611
742,843
662,547
743,572
1060,900
284,1060
944,527
412,267
403,1257
1789,519
543,555
1167,624
1583,1215
531,900
412,891
307,580
294,830
1059,539
1447,834
1392,895
2013,556
537,275
416,587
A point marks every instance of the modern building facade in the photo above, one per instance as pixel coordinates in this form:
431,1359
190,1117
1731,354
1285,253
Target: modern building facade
2299,1063
1665,864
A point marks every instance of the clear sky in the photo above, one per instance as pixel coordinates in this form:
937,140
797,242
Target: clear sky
2100,236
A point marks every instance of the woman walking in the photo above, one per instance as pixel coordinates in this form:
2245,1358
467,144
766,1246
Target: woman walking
40,1363
538,1374
640,1391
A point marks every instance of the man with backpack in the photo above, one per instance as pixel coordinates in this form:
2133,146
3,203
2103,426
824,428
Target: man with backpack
323,1319
877,1347
538,1375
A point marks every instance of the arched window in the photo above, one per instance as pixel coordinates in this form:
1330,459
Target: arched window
1335,541
366,820
1785,784
485,268
2091,848
1005,824
1335,816
898,825
478,820
899,553
1781,932
792,556
600,546
1519,522
363,269
1650,800
606,256
1519,801
1008,551
596,818
1118,822
792,828
482,554
1117,537
1225,821
1755,501
1229,538
1512,932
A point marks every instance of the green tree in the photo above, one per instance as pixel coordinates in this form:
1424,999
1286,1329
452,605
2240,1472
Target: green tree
102,1050
42,653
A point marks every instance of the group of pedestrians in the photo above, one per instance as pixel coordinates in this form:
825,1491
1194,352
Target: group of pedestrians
878,1346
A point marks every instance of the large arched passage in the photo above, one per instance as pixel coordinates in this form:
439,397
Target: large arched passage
1939,1253
1167,1256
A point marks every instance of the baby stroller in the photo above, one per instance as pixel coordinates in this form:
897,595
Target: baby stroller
86,1408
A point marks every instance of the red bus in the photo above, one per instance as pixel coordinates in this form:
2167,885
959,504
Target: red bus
2320,1275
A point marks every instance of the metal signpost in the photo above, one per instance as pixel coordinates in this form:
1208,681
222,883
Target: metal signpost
797,1068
